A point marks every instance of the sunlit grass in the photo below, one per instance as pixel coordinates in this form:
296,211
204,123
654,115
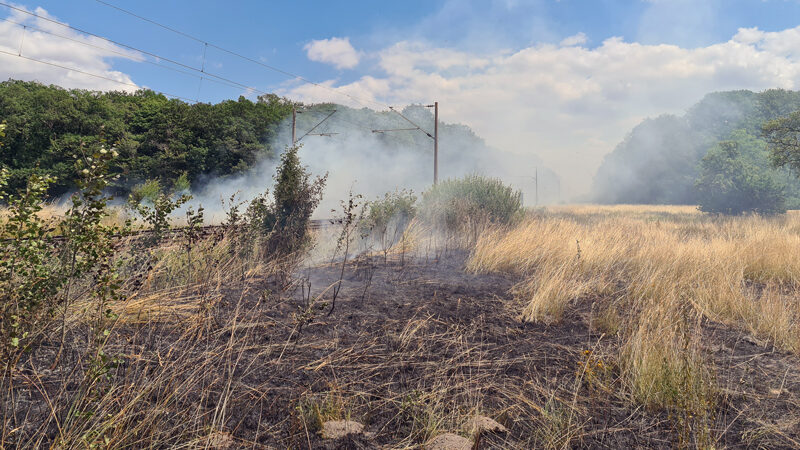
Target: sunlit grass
662,270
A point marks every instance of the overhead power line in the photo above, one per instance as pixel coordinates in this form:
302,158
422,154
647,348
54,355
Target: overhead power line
411,122
86,44
207,44
434,136
317,125
129,47
247,58
90,74
200,73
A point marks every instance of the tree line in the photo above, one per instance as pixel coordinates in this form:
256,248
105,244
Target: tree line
156,138
733,152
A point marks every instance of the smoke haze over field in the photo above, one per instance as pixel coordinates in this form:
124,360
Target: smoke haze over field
660,159
570,99
371,164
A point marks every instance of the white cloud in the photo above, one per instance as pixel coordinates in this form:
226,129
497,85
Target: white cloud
335,51
569,104
576,39
55,44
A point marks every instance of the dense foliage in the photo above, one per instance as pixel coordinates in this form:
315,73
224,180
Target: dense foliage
38,279
395,210
283,219
156,137
661,160
783,136
451,204
735,178
385,219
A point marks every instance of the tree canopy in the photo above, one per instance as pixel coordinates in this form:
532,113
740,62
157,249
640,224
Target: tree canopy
735,178
783,136
171,141
661,161
156,137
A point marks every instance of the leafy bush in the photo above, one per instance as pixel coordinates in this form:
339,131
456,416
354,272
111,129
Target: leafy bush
38,278
145,192
732,182
453,204
387,218
88,254
154,205
284,220
28,281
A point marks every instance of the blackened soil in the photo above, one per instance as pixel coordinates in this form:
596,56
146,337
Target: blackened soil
414,347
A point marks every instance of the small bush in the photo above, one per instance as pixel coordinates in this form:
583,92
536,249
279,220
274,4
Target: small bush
29,281
296,197
155,206
38,278
453,204
283,220
387,218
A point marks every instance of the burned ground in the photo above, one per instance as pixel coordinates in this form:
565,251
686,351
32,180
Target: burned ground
415,347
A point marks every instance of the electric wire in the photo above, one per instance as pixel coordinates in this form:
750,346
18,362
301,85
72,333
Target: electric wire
145,52
338,118
188,100
412,122
174,69
315,126
247,58
206,44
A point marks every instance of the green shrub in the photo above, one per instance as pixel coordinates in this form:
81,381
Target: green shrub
283,220
29,280
39,278
387,218
146,192
155,206
453,204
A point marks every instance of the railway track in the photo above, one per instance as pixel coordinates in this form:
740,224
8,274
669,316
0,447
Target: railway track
205,230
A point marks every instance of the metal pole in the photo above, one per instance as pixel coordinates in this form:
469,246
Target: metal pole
435,135
294,125
435,142
536,169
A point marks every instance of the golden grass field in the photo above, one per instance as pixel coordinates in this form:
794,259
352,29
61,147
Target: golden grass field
652,275
571,316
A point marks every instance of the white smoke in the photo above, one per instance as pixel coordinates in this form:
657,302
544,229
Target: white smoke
371,164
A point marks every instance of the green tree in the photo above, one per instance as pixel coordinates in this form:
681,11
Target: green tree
734,179
157,138
296,197
783,137
658,161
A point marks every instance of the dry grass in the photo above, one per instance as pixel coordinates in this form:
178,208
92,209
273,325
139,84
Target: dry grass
52,211
666,269
177,345
742,271
213,354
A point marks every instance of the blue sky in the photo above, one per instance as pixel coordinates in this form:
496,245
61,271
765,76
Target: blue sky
276,32
562,80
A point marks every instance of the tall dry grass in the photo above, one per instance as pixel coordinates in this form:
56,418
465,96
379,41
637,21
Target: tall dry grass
741,271
173,295
654,273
